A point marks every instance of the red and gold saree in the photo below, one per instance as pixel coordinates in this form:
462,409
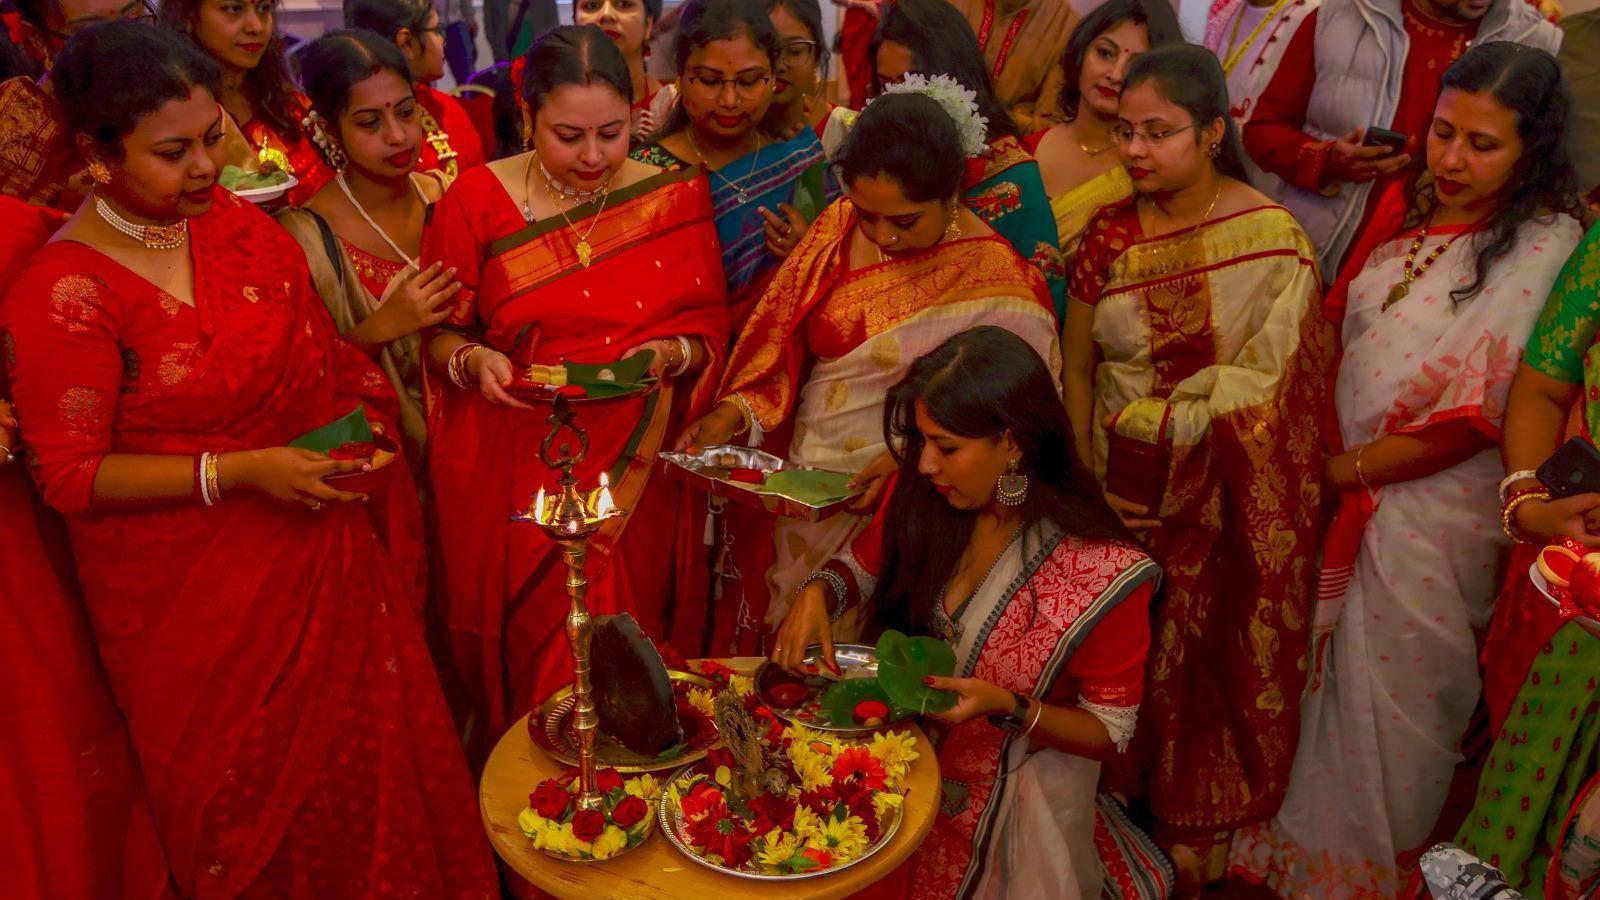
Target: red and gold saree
268,658
1214,363
654,273
826,342
73,814
37,157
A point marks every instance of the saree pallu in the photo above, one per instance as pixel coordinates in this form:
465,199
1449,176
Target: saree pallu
269,661
1213,364
825,344
1076,207
654,274
1408,571
1006,191
793,172
37,155
73,814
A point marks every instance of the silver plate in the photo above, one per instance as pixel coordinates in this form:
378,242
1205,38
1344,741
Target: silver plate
672,825
709,470
855,660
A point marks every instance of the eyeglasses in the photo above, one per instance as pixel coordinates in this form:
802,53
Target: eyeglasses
137,11
797,52
1124,135
746,85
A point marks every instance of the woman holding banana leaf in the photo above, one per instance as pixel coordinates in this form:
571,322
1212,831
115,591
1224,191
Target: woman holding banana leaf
577,264
992,540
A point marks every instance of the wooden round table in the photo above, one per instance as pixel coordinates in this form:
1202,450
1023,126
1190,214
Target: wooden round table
656,869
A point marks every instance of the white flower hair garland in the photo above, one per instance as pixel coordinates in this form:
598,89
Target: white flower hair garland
960,104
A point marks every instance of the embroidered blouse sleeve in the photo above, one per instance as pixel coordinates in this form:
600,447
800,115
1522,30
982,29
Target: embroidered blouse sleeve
1107,672
1104,239
62,332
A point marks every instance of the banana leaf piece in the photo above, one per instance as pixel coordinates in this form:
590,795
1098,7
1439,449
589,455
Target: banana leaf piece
902,664
351,428
610,379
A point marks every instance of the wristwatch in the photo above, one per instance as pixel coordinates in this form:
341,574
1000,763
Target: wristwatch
1014,720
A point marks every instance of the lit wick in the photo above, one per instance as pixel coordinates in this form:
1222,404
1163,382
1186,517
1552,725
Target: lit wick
538,507
604,506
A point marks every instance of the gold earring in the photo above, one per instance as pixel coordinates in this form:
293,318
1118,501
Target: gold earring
1012,488
1215,151
952,230
99,172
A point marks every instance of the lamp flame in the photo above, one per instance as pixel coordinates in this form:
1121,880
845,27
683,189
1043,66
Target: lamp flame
604,506
538,506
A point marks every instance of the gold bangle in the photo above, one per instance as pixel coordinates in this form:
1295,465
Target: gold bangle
1508,513
1361,476
213,478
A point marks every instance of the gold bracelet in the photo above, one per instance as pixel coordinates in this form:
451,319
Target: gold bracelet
1038,713
1360,475
213,478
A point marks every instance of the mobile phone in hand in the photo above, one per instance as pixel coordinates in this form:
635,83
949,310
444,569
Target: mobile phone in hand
1383,137
1573,469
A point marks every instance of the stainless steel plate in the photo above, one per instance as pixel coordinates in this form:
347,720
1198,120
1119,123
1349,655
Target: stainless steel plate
709,470
855,660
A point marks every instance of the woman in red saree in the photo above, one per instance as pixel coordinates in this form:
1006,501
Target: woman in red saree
992,540
258,90
570,253
73,814
163,350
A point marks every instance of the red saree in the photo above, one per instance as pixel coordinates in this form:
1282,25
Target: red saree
73,814
655,273
270,664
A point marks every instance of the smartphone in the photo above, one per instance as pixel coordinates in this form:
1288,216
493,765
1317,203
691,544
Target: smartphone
1383,137
1573,469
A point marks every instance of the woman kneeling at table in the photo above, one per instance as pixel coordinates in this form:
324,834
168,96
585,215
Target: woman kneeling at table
993,539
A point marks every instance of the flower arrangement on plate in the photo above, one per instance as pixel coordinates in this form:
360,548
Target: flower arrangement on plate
821,802
558,828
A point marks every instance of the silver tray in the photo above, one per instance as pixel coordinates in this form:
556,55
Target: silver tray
855,660
551,728
672,825
709,470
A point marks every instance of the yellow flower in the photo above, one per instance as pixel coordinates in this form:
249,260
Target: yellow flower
883,801
700,699
814,770
804,737
610,842
778,849
844,838
896,750
533,825
742,685
807,824
645,787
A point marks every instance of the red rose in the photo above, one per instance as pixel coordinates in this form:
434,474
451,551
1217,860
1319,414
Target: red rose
630,812
607,780
550,800
588,823
716,671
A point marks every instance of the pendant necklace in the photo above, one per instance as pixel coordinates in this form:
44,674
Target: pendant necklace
345,186
562,193
154,237
1410,272
734,184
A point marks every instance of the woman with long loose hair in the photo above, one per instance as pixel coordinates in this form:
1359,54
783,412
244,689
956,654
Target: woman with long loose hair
1435,309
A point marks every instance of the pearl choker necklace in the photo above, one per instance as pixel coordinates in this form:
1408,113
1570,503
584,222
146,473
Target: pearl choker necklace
155,237
566,190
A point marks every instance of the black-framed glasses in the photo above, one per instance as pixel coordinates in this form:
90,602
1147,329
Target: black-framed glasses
797,52
137,11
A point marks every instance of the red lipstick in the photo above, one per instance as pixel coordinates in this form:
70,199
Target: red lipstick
1136,173
401,160
1448,187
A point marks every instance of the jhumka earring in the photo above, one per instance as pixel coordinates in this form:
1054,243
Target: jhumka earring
952,231
99,172
1012,488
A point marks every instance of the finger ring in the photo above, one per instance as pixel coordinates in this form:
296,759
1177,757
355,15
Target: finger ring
316,505
786,230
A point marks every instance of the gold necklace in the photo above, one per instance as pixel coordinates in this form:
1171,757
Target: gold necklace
1209,209
1410,272
735,184
1232,57
952,232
